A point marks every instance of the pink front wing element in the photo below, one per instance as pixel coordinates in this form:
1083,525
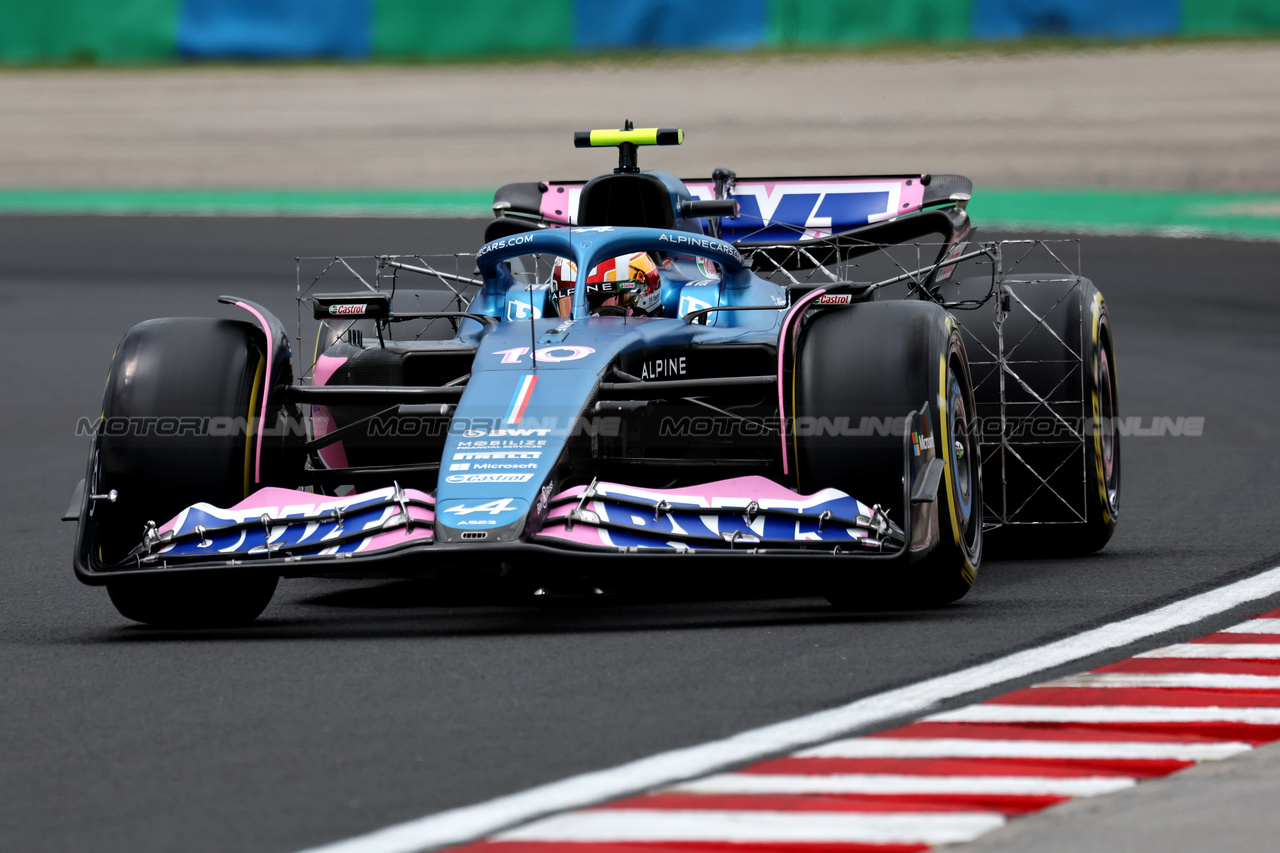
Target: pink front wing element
715,493
277,502
735,492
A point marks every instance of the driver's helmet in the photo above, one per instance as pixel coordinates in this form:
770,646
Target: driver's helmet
625,286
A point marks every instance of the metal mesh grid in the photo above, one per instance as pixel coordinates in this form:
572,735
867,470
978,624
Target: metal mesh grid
1033,436
1033,439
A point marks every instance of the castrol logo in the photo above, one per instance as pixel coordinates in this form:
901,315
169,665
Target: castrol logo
346,310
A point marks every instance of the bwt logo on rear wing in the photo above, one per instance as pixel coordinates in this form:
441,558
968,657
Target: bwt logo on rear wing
785,210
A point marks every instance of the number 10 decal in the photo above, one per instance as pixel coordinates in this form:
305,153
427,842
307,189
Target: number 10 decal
550,354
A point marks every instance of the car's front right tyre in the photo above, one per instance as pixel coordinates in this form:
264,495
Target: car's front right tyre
171,382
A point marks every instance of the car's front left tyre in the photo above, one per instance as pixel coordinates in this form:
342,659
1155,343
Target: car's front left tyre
872,364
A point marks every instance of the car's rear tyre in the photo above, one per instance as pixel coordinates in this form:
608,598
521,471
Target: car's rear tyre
1061,494
872,363
180,418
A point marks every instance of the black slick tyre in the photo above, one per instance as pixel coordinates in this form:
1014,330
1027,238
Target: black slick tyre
869,364
169,378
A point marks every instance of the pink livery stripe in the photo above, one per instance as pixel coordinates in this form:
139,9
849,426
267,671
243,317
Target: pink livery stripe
520,401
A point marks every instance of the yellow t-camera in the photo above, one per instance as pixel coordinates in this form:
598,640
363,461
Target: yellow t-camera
639,136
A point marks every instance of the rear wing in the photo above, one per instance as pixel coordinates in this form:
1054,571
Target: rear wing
772,210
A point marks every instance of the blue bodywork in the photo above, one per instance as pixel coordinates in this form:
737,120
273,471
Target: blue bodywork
512,407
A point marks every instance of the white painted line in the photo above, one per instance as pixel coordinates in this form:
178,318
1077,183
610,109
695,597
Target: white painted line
1255,626
993,713
1212,651
885,747
892,783
654,825
1202,680
469,822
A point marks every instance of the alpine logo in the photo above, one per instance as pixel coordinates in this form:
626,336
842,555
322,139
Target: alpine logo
660,367
347,310
492,507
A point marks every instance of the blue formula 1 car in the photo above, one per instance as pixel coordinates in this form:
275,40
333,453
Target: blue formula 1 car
642,377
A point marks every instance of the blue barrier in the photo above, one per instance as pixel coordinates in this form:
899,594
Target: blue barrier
722,24
126,31
1014,19
262,29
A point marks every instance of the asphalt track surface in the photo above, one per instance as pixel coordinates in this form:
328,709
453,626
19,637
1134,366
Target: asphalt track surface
352,705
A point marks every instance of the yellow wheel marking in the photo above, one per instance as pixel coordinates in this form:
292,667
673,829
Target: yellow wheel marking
1099,469
944,445
968,572
248,424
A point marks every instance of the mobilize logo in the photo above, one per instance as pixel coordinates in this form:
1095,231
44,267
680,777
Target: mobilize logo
347,310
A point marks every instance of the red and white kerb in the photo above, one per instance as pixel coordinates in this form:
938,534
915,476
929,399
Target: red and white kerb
953,776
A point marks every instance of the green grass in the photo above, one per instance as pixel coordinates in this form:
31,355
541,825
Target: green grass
1243,215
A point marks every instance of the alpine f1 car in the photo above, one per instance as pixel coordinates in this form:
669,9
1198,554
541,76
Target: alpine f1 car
641,376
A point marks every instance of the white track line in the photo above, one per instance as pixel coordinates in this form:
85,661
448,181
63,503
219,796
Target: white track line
1255,626
469,822
848,828
1202,680
892,783
993,713
621,825
1212,651
886,747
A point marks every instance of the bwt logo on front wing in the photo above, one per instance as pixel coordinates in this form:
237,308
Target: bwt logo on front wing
498,454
